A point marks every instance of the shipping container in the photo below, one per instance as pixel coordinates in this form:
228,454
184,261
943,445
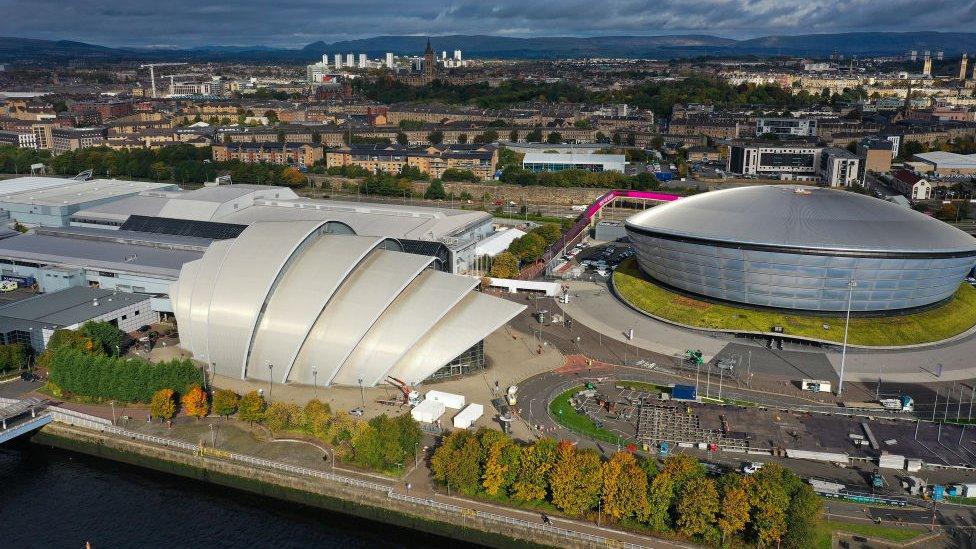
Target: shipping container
428,411
468,415
683,392
450,400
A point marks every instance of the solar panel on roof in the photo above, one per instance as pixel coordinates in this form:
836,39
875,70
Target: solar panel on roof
183,227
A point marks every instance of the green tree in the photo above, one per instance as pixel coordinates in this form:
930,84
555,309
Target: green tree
104,335
554,138
528,247
402,138
277,417
513,136
225,402
624,487
435,191
160,171
504,265
163,404
576,479
456,463
535,463
435,137
803,517
251,407
488,136
770,501
696,509
534,136
462,138
734,511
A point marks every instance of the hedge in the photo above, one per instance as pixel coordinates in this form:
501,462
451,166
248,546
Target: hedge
126,380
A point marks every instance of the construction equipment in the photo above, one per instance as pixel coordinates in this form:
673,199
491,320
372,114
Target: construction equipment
410,396
152,73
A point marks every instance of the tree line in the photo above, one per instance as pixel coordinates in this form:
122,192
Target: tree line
84,362
676,496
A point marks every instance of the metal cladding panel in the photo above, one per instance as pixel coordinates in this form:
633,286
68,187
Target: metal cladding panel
180,293
303,291
802,217
425,301
800,281
199,290
244,284
473,319
353,310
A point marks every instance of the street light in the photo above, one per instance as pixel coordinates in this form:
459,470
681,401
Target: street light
362,392
315,382
270,378
843,353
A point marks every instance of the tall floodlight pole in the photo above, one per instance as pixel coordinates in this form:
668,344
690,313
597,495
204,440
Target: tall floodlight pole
847,323
270,377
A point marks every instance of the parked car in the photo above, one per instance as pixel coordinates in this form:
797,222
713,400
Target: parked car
356,412
144,328
750,468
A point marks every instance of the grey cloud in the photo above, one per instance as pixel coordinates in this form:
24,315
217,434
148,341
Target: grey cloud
290,23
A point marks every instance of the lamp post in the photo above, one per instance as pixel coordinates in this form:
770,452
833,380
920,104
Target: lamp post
362,392
843,353
270,378
315,382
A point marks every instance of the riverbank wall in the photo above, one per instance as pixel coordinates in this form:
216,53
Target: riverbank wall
382,506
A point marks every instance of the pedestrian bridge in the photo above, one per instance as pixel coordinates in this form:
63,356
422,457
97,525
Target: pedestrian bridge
21,417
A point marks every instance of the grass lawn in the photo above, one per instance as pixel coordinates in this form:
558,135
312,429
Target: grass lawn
897,534
951,318
565,415
961,500
643,386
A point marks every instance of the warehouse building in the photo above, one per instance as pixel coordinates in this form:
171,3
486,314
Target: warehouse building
51,204
555,162
32,321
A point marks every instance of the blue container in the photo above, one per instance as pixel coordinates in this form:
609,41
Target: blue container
664,176
938,492
683,392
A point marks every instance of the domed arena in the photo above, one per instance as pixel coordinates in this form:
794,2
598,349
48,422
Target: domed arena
802,248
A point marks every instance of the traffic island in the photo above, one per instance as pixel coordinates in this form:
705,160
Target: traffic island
944,321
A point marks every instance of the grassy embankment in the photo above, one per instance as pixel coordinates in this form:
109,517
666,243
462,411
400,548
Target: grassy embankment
949,319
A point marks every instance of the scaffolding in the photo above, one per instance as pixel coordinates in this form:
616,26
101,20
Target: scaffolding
657,423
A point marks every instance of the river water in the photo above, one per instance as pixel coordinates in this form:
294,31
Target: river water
52,498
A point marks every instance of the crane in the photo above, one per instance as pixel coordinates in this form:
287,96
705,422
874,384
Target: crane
152,72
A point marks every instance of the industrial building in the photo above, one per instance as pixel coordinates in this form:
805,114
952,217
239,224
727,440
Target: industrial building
331,309
50,201
224,211
555,162
802,248
945,163
32,321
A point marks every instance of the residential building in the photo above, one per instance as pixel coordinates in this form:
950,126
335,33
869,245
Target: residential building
23,140
272,152
787,127
70,139
839,167
910,185
875,153
480,160
759,159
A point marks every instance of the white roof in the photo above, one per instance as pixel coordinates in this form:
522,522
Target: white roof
80,192
326,308
947,160
498,242
573,158
32,183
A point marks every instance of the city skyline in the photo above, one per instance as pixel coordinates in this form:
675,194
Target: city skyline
295,23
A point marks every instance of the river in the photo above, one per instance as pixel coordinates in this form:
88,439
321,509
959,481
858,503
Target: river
52,498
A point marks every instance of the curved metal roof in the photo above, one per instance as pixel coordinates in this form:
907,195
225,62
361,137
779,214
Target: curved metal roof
345,306
803,218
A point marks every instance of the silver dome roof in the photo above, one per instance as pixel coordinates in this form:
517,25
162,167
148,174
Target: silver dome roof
804,218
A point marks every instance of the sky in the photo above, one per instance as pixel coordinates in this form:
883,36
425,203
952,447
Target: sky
295,23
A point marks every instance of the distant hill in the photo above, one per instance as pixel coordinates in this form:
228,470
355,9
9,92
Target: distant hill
483,46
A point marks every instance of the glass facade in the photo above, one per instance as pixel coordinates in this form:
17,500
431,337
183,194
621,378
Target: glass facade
799,281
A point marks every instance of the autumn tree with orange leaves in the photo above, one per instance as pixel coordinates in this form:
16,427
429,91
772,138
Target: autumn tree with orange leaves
195,402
